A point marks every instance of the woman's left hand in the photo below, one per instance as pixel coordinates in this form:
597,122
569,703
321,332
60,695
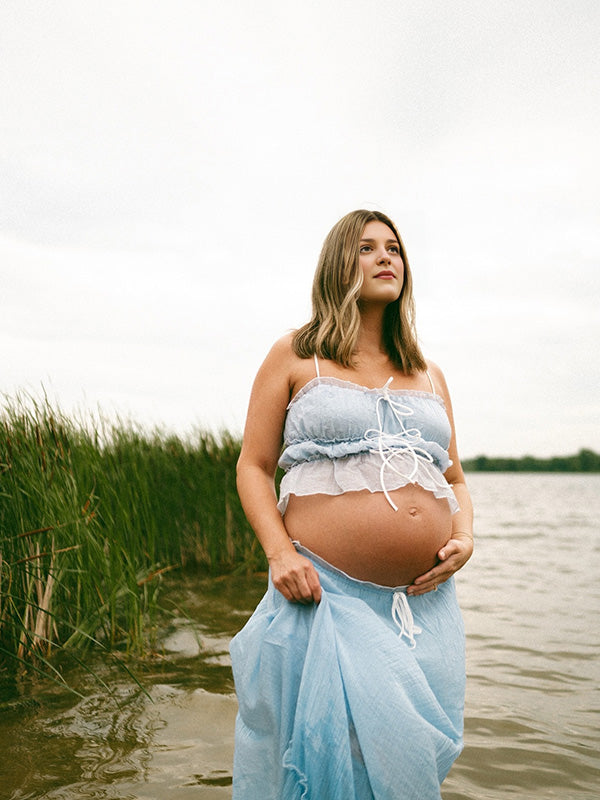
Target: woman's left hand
452,556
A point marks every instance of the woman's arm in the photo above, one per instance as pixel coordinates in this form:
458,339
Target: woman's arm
292,574
458,549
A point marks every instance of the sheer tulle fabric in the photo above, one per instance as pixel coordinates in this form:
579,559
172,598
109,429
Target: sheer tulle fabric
359,472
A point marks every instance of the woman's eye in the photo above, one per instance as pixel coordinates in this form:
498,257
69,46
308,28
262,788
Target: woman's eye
364,248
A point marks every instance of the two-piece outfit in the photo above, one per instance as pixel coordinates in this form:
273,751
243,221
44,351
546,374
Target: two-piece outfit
361,696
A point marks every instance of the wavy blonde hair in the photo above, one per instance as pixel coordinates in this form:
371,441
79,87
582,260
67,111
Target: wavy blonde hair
332,332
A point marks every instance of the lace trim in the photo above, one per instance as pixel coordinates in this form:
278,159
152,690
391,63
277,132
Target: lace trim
330,381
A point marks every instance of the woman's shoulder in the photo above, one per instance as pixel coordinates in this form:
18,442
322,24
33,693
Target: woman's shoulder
282,351
438,378
434,369
283,361
281,358
283,345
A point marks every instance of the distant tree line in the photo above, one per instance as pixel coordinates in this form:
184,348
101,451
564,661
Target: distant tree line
583,461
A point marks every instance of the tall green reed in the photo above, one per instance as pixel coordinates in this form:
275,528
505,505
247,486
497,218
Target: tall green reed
92,514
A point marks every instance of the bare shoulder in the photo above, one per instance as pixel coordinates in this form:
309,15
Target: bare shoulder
283,365
280,365
282,348
281,358
438,377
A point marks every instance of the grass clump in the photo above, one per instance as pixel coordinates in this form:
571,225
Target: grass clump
92,514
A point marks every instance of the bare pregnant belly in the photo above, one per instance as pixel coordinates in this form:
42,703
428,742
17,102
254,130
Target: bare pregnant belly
361,534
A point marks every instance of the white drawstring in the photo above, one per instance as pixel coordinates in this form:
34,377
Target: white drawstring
391,445
402,616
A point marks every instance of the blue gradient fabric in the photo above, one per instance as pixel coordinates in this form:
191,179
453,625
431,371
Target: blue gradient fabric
341,437
333,418
349,699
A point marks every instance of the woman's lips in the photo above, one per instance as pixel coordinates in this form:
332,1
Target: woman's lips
385,274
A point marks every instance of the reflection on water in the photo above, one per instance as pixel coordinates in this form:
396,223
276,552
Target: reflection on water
177,744
530,598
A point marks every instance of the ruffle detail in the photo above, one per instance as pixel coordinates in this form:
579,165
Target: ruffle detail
362,471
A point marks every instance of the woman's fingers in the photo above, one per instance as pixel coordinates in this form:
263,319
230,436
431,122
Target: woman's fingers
297,580
427,583
452,556
314,585
307,588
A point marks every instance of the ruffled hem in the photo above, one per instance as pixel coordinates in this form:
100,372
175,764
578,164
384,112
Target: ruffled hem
360,472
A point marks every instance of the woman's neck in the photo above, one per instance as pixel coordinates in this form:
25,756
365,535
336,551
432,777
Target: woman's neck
370,335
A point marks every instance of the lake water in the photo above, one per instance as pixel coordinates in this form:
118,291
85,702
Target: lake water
531,601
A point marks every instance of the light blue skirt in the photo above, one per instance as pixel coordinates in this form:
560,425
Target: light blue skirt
360,697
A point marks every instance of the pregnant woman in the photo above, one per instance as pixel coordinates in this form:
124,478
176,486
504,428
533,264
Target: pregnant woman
350,674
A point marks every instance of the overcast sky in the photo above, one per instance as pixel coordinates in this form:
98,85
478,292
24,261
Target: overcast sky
169,171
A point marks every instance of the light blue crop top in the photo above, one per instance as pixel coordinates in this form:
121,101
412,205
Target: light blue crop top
340,436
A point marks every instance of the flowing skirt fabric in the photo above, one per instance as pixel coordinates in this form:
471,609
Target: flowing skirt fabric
337,703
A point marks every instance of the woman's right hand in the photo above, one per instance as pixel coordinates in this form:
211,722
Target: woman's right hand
295,577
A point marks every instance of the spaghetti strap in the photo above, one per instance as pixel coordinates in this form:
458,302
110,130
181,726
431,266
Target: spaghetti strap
317,366
430,381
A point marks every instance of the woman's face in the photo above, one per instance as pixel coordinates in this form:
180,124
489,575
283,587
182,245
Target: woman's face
381,264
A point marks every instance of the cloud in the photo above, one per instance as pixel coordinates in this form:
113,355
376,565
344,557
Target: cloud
170,171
